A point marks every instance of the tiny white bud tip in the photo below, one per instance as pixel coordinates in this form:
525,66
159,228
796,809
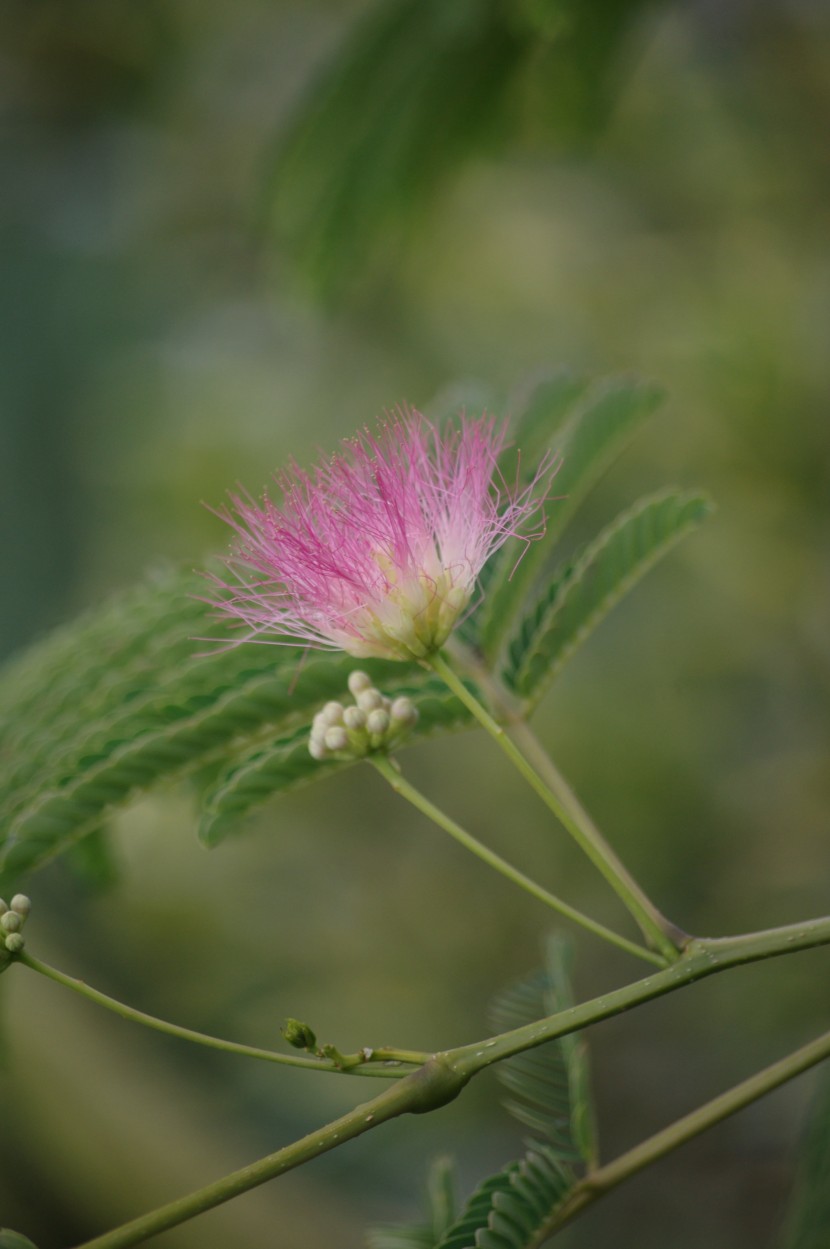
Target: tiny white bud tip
337,738
404,711
14,943
377,722
369,700
358,682
332,714
354,718
11,921
21,904
317,749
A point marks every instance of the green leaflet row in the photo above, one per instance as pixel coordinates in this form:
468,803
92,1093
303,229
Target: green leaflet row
286,764
807,1223
584,428
131,695
585,591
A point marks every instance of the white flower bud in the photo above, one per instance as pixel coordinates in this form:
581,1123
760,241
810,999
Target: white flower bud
404,711
11,921
332,714
21,904
336,738
377,722
354,719
317,748
369,700
358,682
14,943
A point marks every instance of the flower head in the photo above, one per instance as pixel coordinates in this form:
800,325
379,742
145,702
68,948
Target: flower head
378,552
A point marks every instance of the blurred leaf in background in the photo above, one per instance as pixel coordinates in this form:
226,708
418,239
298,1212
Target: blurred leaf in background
419,89
808,1225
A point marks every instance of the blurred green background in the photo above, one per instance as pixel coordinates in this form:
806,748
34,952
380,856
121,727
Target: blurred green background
231,233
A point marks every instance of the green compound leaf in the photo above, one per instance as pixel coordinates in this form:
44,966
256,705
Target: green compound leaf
420,86
127,696
541,411
538,411
417,90
808,1224
583,593
549,1092
588,428
513,1209
286,763
282,765
96,674
549,1087
93,861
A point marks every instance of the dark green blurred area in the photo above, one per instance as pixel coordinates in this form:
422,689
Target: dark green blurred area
193,291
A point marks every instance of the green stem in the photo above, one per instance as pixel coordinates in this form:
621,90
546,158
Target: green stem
366,1063
601,1181
444,1075
390,773
553,791
433,1085
547,770
702,958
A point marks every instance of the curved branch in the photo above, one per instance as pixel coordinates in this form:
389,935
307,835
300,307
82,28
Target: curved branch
703,957
426,1089
442,1078
383,1062
606,1178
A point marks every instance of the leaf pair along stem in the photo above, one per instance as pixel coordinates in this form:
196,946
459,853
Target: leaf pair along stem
442,1077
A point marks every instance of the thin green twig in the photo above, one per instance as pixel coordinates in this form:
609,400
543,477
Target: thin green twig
392,774
445,1074
703,957
368,1062
603,1179
570,814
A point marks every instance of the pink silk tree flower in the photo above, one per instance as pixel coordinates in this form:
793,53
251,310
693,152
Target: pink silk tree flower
378,552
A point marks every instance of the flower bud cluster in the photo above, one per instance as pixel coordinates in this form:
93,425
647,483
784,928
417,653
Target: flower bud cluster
12,919
371,723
